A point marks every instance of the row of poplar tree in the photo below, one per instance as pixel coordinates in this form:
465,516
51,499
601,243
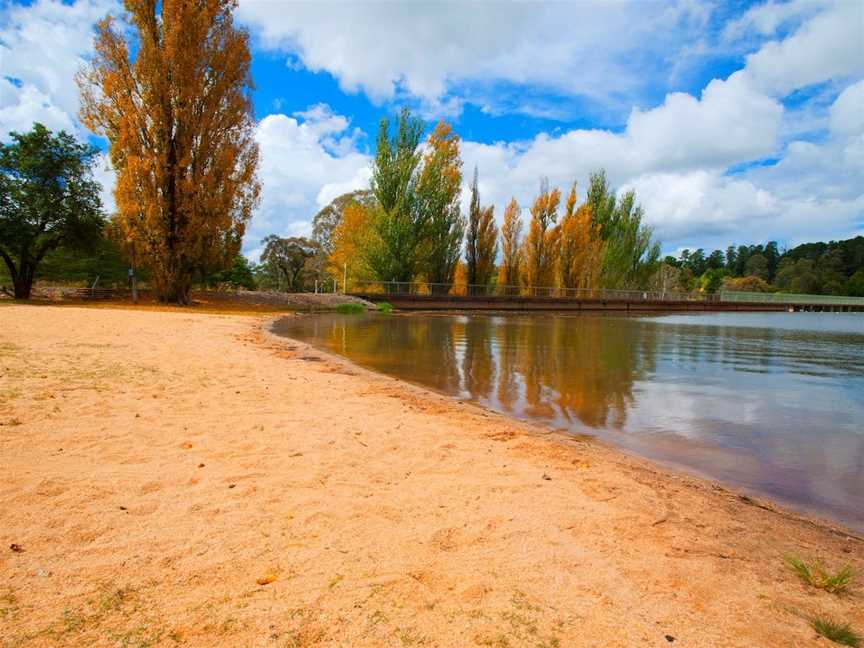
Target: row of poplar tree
409,226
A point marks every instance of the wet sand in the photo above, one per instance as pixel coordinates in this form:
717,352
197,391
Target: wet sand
174,478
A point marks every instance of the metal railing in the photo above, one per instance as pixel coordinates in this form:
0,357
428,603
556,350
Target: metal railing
790,299
406,288
397,288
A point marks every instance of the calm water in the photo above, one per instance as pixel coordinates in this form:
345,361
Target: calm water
771,403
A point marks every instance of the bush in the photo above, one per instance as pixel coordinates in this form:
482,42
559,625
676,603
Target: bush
385,307
747,284
350,309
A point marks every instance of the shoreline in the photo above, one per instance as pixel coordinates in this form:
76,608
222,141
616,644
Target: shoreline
180,478
784,507
664,468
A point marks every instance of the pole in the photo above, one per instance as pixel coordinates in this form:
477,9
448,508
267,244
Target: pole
133,277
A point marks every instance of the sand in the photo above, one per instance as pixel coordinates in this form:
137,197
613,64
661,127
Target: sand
177,478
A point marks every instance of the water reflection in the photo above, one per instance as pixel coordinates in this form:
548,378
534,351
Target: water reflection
772,403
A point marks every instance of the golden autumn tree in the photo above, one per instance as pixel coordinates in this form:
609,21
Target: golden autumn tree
348,241
437,198
481,239
580,256
511,245
540,249
176,108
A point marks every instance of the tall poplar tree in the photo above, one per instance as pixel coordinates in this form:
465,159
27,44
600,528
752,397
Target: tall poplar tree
393,251
541,244
630,255
511,247
481,239
176,107
581,249
438,191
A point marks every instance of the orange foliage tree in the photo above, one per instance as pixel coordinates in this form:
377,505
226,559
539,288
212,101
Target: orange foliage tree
540,249
180,124
511,245
481,239
580,254
438,189
348,240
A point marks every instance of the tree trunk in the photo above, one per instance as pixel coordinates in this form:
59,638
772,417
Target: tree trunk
172,283
23,282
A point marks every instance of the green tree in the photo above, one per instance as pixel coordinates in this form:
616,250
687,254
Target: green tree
630,255
716,260
731,259
328,218
284,260
855,284
711,281
772,256
48,198
757,266
394,251
481,239
239,275
437,200
741,259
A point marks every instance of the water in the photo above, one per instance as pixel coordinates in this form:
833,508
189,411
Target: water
770,403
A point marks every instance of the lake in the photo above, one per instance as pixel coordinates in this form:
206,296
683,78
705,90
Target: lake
770,403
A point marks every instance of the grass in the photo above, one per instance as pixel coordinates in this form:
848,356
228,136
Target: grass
385,307
816,575
350,309
839,633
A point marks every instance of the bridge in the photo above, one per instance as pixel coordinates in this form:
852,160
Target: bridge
432,296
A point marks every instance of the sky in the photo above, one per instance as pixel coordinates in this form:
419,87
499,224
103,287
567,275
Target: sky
735,122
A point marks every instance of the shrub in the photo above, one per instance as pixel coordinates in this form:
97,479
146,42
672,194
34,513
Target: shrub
350,309
385,307
747,284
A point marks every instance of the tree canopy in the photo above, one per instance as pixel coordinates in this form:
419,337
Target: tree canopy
176,107
481,239
286,258
48,199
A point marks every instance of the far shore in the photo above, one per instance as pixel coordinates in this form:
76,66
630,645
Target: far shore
170,477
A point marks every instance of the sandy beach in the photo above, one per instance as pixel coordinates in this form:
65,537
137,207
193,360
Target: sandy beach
174,478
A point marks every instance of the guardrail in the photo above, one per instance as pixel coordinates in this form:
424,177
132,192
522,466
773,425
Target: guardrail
502,291
789,299
498,291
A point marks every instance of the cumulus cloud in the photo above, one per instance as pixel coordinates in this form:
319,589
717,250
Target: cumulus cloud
306,161
828,45
42,46
847,112
422,50
726,163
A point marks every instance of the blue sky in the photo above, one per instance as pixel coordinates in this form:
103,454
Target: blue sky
734,122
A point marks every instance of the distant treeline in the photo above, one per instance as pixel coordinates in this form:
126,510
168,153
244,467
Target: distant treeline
833,268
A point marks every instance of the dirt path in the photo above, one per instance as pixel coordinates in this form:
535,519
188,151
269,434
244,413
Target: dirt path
156,467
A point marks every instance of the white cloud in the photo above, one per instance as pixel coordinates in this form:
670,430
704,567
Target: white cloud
21,106
42,46
677,155
305,163
728,125
595,49
847,112
767,18
827,46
